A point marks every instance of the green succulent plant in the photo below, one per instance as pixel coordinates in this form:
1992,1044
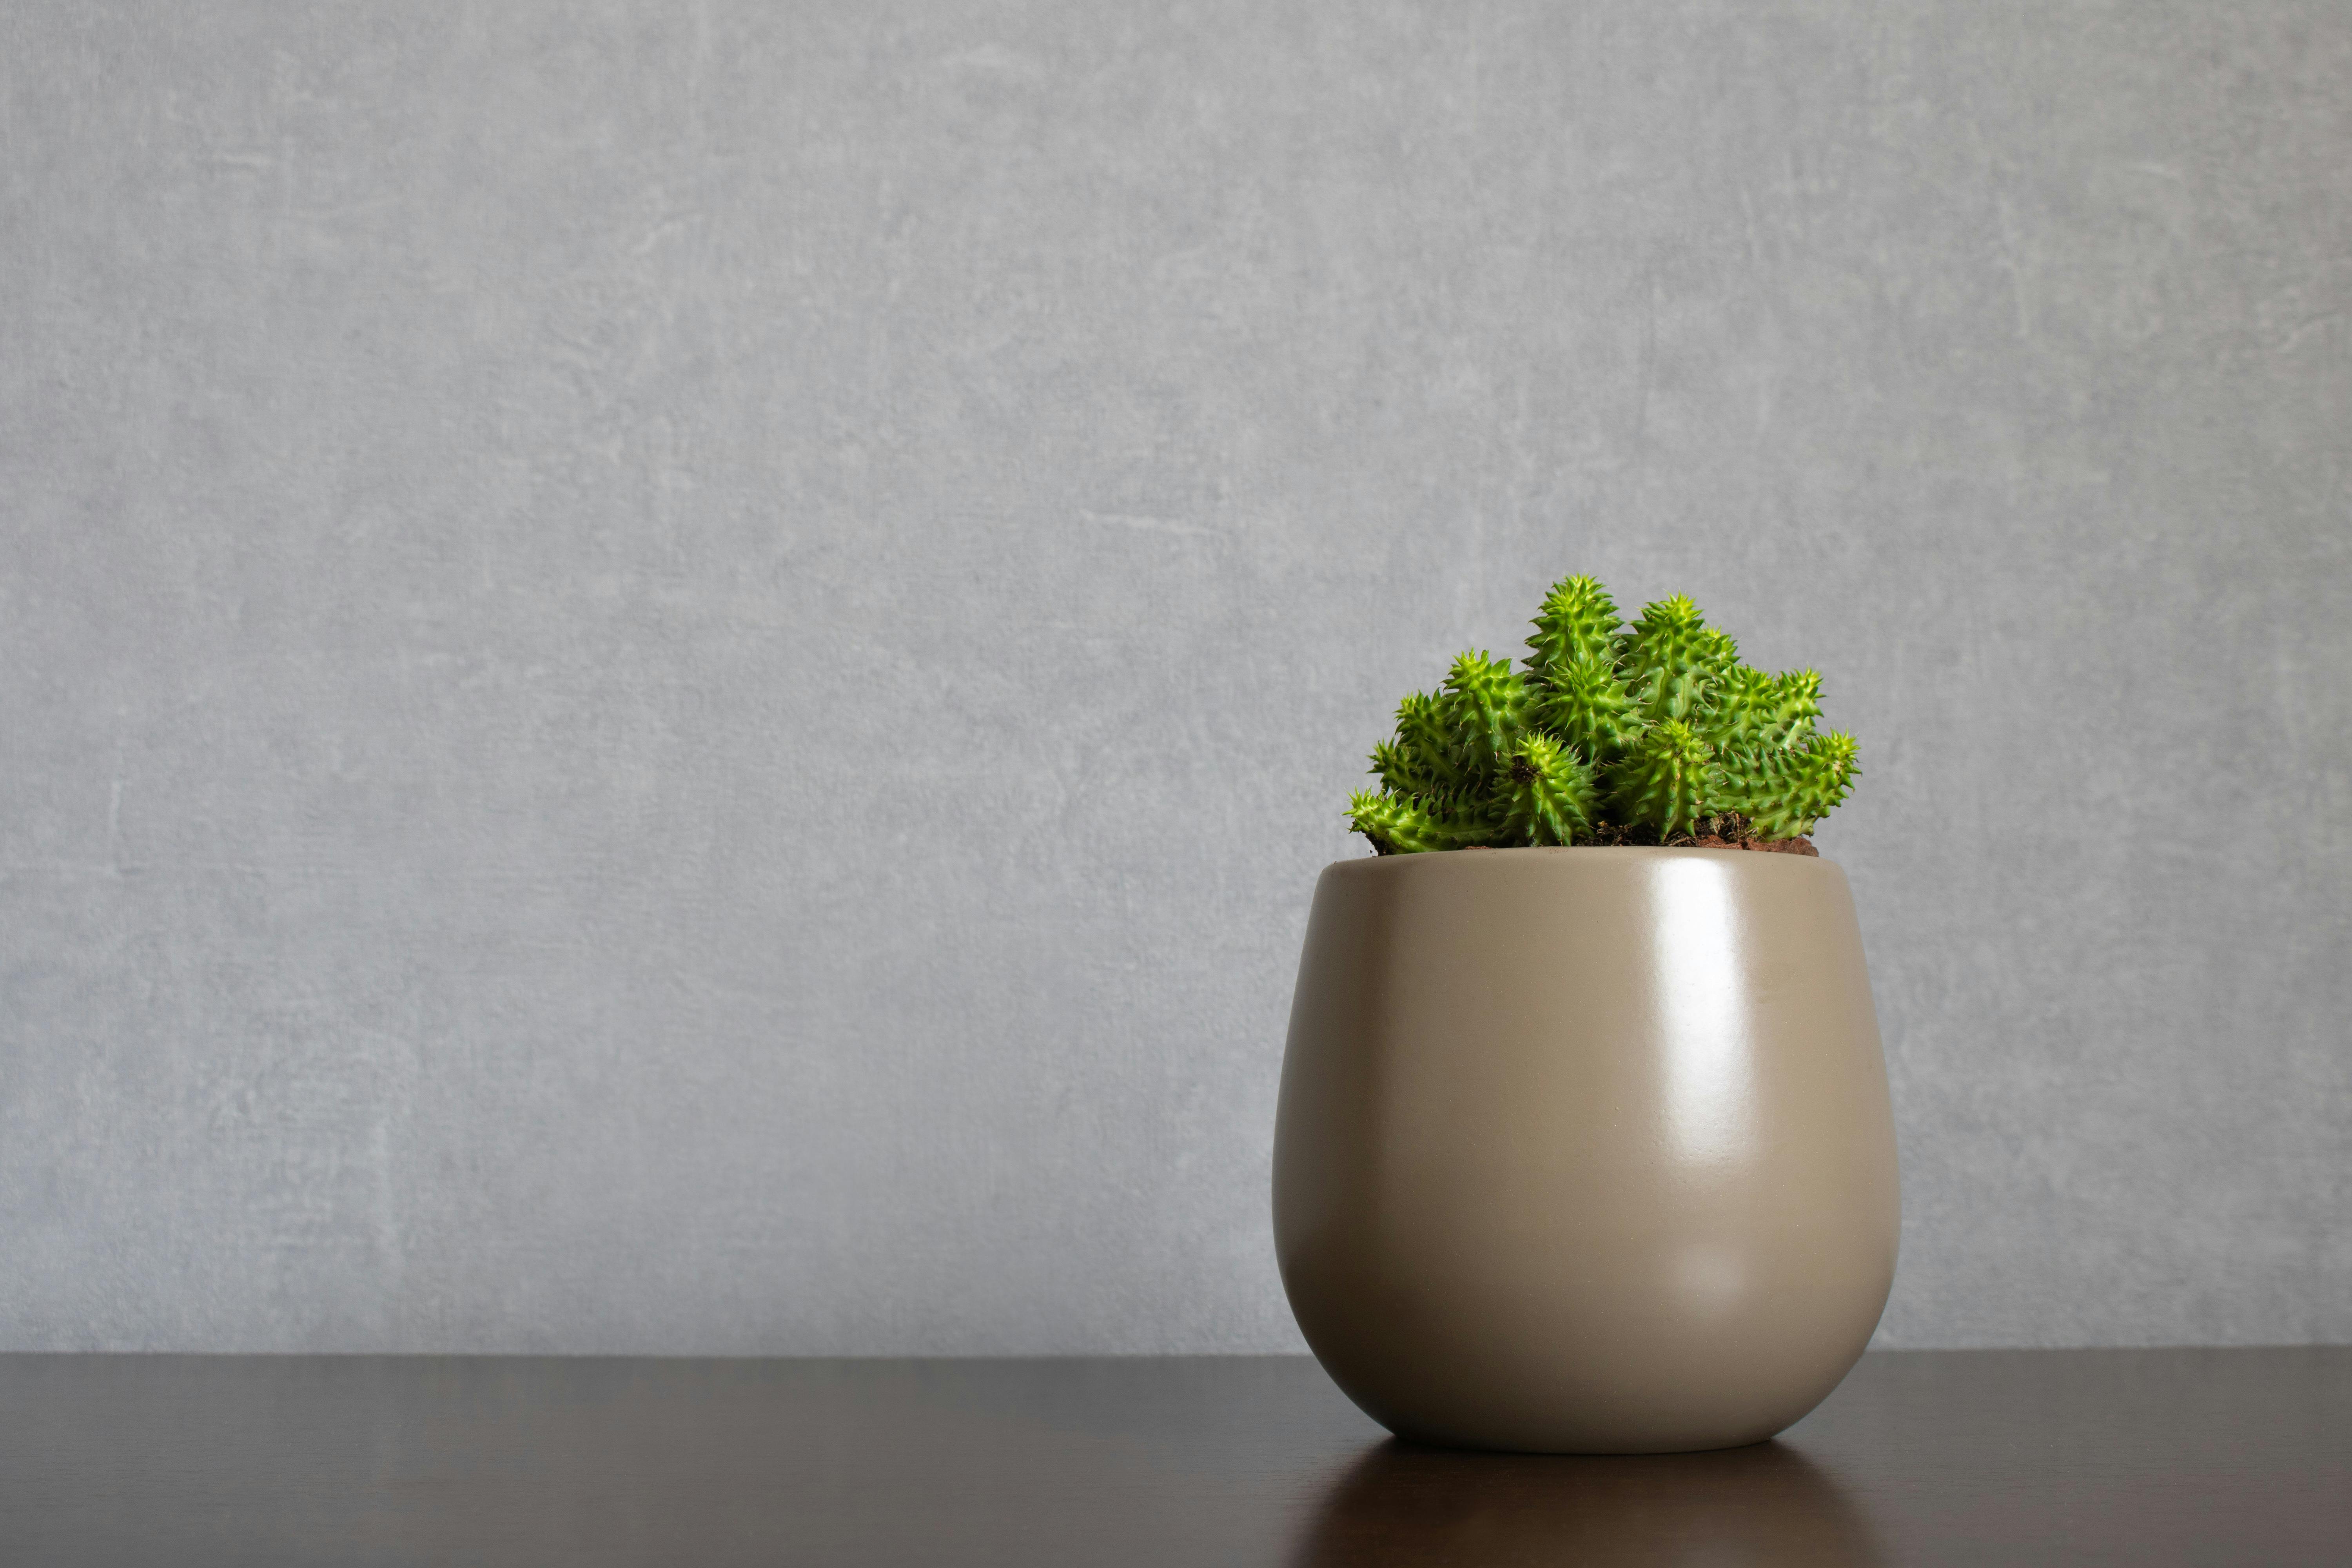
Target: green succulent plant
1648,733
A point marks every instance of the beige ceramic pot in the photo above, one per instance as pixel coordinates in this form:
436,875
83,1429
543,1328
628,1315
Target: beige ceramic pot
1585,1151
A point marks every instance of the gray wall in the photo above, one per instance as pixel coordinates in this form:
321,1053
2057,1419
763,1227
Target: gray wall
674,674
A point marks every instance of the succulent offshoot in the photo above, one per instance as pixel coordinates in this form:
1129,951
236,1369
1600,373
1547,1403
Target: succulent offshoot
1579,621
1585,705
1783,792
1546,793
1399,826
1671,661
1663,781
1487,703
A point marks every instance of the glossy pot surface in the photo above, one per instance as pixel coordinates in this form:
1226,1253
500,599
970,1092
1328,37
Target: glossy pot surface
1587,1150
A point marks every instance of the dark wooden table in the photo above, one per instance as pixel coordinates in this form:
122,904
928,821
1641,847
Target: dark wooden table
2222,1457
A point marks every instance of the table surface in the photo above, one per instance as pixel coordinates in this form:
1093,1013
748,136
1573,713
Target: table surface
2224,1456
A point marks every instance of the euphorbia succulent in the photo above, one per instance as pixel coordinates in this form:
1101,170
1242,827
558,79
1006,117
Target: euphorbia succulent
1648,733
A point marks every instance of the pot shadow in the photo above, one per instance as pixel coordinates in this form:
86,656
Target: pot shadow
1762,1504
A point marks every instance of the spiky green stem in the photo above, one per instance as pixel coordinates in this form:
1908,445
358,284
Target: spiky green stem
1783,791
1670,659
1741,707
1585,705
1427,755
1578,623
1546,793
1489,707
1664,779
1796,703
1397,825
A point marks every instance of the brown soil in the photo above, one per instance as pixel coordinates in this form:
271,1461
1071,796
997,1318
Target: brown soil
1775,847
1728,831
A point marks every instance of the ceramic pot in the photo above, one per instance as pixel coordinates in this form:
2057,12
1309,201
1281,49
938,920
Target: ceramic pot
1585,1151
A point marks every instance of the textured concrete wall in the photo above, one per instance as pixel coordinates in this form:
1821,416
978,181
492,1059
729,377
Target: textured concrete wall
672,677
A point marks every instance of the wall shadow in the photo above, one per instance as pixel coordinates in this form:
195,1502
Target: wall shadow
1763,1504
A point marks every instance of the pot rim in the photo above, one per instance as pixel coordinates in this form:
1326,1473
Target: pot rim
1613,851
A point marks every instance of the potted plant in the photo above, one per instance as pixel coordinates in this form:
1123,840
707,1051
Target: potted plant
1584,1143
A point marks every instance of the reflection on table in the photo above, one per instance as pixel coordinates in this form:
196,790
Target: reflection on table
1762,1504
